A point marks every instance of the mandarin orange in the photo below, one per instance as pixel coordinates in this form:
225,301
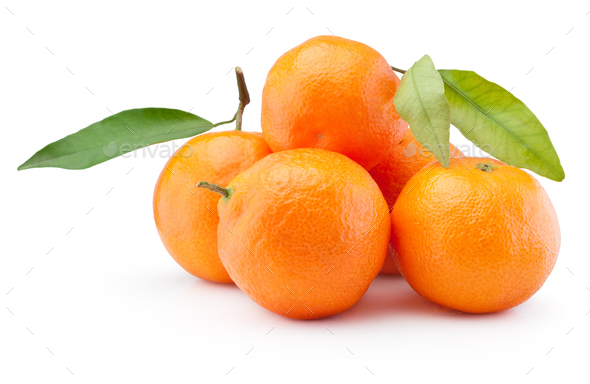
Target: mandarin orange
332,93
303,232
479,236
186,217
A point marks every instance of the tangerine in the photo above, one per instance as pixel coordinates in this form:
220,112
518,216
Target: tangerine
303,232
332,93
186,217
480,236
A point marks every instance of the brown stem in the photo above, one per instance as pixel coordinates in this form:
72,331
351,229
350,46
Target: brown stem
244,97
225,192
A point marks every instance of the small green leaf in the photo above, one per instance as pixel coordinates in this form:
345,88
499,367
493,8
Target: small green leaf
116,135
420,100
500,124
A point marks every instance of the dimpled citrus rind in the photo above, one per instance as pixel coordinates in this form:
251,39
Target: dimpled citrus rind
332,93
472,240
304,232
186,217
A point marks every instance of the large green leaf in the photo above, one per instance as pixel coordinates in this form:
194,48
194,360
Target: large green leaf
500,124
116,135
420,100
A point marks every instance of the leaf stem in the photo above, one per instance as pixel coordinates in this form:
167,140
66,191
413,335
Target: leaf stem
244,97
397,69
225,122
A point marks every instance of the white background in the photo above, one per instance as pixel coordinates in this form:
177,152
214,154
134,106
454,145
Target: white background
104,302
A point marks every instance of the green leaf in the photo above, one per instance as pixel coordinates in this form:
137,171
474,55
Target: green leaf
500,124
420,100
116,135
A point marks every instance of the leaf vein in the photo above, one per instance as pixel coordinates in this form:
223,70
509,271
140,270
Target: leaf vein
501,126
427,115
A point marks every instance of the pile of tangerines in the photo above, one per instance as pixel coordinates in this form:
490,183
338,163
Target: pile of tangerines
336,189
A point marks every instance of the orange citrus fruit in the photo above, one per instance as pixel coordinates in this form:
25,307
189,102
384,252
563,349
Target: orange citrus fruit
479,236
332,93
186,216
303,232
402,162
